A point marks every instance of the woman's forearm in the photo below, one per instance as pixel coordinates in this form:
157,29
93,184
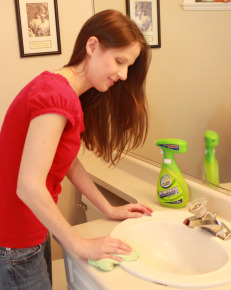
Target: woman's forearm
83,182
79,177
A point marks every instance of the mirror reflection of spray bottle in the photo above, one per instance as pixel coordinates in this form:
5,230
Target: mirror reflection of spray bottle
211,170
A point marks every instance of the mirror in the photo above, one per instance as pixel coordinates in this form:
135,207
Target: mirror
188,86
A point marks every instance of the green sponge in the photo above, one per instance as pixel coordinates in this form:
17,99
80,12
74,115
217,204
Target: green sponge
108,264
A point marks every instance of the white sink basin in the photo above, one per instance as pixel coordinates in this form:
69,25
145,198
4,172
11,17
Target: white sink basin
173,254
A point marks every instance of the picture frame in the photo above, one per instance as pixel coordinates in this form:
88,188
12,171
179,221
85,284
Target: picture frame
146,14
212,1
204,5
38,27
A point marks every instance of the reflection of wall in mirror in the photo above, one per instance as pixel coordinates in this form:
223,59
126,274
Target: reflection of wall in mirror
223,1
188,84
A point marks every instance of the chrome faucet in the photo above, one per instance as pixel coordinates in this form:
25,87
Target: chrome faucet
206,220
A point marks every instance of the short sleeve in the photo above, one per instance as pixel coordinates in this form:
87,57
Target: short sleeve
53,94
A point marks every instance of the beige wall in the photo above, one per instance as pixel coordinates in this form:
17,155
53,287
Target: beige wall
189,87
16,71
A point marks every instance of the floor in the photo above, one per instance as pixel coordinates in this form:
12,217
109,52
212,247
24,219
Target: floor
59,276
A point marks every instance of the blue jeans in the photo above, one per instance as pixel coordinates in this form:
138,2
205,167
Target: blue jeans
26,269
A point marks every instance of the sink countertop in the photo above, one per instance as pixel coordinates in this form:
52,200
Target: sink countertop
135,186
226,185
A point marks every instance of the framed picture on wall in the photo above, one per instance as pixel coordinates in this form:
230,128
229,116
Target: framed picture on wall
38,27
146,14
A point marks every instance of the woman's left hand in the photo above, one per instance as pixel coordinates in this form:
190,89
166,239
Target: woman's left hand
130,210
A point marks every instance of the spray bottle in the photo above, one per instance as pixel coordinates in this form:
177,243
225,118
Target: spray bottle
172,189
211,171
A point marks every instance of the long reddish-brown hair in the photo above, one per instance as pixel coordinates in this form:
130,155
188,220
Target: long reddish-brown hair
115,121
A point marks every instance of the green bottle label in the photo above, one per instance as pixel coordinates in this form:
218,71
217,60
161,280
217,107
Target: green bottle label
170,191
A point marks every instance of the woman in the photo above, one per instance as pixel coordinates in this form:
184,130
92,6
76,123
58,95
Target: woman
41,136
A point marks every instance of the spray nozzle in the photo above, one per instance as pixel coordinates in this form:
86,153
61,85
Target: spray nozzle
169,147
211,139
172,145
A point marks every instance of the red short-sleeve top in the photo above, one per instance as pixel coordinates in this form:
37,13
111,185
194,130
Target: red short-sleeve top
47,93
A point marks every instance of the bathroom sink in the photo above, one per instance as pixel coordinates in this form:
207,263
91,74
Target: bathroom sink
174,255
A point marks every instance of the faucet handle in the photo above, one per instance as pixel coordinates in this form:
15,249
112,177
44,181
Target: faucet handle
198,207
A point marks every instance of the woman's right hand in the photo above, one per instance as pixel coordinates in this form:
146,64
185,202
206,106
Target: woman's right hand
104,247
